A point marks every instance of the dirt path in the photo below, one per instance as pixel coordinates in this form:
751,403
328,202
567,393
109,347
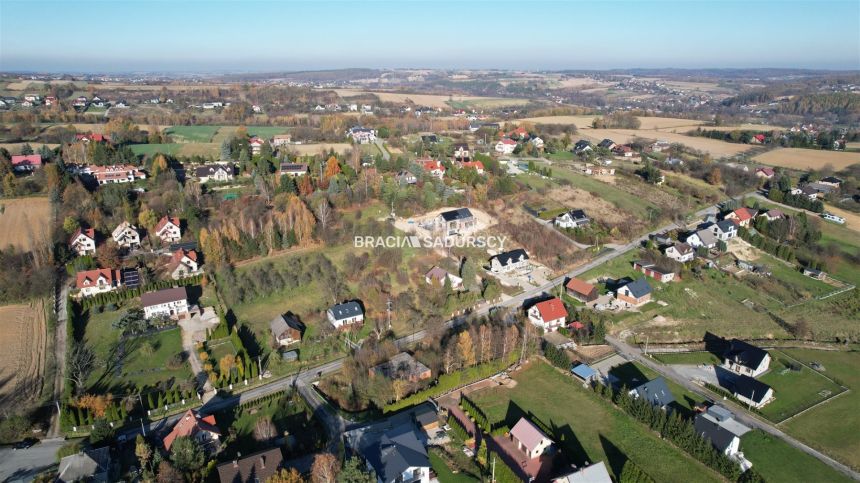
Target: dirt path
60,298
194,330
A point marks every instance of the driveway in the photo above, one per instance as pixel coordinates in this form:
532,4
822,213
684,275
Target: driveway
24,464
194,330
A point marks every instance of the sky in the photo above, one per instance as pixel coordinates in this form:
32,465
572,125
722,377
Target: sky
265,36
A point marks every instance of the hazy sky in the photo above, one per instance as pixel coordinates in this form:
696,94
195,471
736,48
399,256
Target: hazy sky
193,35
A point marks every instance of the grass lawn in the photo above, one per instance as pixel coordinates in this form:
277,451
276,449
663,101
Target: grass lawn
794,390
633,374
191,134
561,156
445,474
618,197
150,149
587,428
775,460
832,427
687,358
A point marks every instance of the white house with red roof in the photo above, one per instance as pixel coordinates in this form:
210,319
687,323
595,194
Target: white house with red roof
765,172
168,229
742,216
83,241
26,162
183,263
100,280
530,439
202,429
549,315
126,235
506,146
772,215
88,137
117,173
256,144
476,165
623,150
433,167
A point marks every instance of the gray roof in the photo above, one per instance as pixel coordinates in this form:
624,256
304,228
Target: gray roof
709,427
639,287
750,388
745,354
707,237
210,170
396,451
346,310
512,256
726,226
259,466
458,214
656,392
163,296
92,463
596,473
283,323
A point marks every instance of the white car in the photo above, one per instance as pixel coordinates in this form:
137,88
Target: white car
833,218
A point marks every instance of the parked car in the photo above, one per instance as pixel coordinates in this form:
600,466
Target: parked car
25,443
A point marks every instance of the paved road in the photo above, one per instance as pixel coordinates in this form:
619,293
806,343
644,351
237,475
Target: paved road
385,154
743,416
24,464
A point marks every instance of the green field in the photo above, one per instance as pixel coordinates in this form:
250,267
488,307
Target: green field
191,134
621,199
687,358
633,374
776,461
151,149
586,427
832,427
794,390
445,474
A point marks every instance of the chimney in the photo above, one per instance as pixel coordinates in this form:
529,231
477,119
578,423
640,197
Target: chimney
235,463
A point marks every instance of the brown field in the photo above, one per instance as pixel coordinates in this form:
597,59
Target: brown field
852,145
852,220
431,100
745,127
797,158
23,332
648,123
309,149
715,147
15,148
24,222
580,82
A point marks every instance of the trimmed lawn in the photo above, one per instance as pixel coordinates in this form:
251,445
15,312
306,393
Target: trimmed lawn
776,461
151,149
445,474
794,390
832,427
618,197
587,428
191,134
687,358
633,374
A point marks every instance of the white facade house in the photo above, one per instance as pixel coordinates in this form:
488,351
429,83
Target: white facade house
361,135
571,219
506,146
214,172
83,242
725,230
93,282
126,235
346,314
746,359
169,302
513,260
717,425
549,315
168,229
529,439
681,252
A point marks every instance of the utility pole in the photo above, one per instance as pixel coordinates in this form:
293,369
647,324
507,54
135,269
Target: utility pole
388,306
647,338
259,369
142,427
493,476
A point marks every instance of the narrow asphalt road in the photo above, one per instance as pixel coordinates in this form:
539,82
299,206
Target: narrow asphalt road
25,464
631,352
385,154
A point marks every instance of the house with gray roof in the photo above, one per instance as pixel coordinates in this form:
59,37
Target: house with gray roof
91,465
596,473
345,314
724,230
751,391
746,359
718,426
286,329
655,392
398,456
456,222
510,261
635,293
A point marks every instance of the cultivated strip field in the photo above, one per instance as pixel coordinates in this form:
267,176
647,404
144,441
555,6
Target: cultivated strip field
716,147
584,122
24,222
430,100
797,158
22,362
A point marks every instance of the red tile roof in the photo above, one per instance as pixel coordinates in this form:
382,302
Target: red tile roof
164,220
577,325
507,141
178,254
26,160
190,424
472,164
579,286
89,232
431,164
743,214
89,278
551,309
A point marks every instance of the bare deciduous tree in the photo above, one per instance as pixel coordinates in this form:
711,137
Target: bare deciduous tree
82,361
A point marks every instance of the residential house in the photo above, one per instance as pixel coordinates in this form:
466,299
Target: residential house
814,273
437,275
717,425
214,172
513,260
537,142
606,144
757,139
345,314
582,146
26,162
772,215
168,229
168,302
183,263
765,172
402,367
506,146
634,293
596,473
455,222
398,456
406,178
50,100
256,144
433,167
653,271
742,216
659,146
126,235
429,138
100,280
280,140
581,290
623,150
91,465
118,173
655,391
293,169
746,359
83,241
529,439
91,137
680,252
476,165
702,238
831,181
518,133
461,152
572,219
202,429
254,468
286,330
36,97
724,230
361,135
598,170
751,392
549,315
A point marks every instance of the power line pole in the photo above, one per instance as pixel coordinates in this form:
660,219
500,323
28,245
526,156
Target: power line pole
388,306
